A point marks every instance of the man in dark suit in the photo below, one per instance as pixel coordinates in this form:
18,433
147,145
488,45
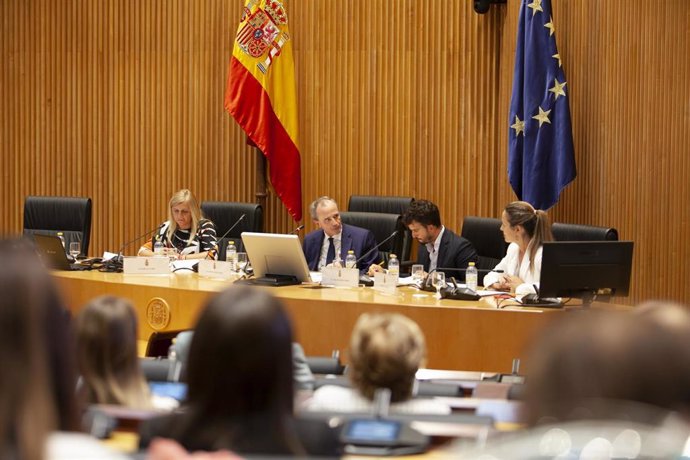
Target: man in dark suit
333,238
440,247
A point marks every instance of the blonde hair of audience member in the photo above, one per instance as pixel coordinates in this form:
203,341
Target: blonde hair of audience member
184,197
107,354
531,227
581,364
38,379
385,352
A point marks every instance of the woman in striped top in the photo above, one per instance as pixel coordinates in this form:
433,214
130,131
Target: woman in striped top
185,230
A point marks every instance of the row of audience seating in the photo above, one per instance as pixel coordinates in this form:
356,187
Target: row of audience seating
380,214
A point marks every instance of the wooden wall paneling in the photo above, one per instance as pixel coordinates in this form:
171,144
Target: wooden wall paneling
122,100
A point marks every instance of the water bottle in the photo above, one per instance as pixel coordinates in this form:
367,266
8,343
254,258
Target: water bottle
158,247
471,277
62,240
393,265
231,255
350,259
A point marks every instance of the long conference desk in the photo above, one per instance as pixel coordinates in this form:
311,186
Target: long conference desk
462,335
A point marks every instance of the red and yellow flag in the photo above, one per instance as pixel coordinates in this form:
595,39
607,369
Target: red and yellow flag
261,95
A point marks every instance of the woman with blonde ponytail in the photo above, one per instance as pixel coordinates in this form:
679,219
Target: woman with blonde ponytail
526,229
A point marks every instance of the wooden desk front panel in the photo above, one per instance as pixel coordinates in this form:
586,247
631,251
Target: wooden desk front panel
460,335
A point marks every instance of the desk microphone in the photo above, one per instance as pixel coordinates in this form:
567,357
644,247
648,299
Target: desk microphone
296,230
212,253
376,247
115,264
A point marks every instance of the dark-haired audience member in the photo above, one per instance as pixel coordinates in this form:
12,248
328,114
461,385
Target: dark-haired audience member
38,407
386,350
240,382
526,229
584,366
107,356
440,248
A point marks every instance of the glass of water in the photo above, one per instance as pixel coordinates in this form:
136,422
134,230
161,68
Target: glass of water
438,280
75,249
241,261
418,273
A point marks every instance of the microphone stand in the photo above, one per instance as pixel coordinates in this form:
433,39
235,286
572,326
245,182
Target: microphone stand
215,248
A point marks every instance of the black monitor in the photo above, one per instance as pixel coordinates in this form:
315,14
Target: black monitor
586,269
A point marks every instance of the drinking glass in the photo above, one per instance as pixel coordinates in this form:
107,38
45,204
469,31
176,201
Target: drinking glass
438,280
418,272
75,249
241,261
171,253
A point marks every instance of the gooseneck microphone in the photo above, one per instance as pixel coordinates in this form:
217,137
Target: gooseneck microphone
366,254
119,254
296,230
212,253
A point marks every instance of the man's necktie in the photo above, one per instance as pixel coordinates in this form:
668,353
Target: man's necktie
330,255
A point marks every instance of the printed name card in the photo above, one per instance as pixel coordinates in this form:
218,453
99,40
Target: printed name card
384,282
146,266
216,269
340,277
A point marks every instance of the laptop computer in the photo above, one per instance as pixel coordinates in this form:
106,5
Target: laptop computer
53,253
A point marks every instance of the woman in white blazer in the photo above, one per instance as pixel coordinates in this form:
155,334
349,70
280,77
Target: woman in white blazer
526,229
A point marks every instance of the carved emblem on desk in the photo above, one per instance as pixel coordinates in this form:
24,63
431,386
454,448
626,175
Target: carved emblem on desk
158,313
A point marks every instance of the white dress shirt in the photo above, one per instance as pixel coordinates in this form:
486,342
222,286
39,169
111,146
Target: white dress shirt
433,248
337,242
511,266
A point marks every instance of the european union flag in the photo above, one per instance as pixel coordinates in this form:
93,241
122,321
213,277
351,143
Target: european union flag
541,161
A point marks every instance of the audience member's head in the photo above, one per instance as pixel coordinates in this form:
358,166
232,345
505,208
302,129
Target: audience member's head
38,380
107,353
585,364
240,392
385,352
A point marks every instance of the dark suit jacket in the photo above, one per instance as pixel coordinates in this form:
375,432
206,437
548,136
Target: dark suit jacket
358,239
454,252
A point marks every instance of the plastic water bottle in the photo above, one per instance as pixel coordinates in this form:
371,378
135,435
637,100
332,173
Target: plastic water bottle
393,265
471,276
62,240
231,255
350,259
158,247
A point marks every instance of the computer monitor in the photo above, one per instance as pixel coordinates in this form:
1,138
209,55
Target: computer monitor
276,258
585,269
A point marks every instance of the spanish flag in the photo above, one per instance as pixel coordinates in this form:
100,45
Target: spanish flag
260,95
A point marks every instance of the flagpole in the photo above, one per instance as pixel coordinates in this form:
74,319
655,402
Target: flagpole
260,191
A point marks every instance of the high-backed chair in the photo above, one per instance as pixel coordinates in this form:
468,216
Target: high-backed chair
485,235
577,232
385,205
381,225
48,215
382,204
224,215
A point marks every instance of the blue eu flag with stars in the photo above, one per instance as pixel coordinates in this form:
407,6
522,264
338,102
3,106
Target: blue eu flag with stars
541,161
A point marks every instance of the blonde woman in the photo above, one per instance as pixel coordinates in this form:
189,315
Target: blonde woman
386,350
185,230
526,229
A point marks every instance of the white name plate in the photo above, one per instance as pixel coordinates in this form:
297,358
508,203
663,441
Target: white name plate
340,277
385,283
146,266
216,269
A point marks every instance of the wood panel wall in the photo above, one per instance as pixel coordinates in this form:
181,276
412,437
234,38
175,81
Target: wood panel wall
122,100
